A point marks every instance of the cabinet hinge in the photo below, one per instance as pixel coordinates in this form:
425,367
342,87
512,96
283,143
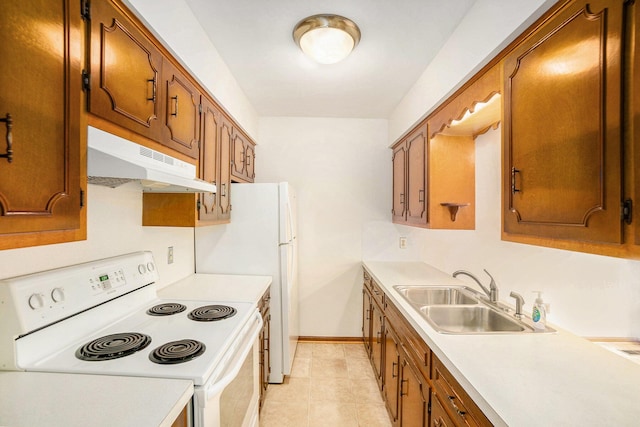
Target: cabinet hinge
200,108
86,80
198,205
626,211
429,407
81,198
85,10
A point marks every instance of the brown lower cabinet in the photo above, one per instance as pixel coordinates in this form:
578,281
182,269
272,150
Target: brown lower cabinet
417,389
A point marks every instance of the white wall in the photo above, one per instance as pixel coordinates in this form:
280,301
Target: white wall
590,295
114,227
341,171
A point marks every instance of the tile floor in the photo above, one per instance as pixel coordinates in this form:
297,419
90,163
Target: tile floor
331,384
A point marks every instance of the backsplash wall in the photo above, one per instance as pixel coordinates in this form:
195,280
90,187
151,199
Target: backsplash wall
114,227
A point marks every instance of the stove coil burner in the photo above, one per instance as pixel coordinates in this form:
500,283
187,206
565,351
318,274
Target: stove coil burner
166,309
113,346
177,352
209,313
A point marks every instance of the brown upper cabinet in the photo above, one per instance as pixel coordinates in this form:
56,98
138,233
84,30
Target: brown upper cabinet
125,80
138,90
242,157
434,166
562,133
190,210
42,165
410,179
181,118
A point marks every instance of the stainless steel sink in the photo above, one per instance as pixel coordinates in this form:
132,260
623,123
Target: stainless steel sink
462,310
436,295
471,319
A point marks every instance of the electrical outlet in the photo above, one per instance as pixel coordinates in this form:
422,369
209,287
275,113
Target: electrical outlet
403,243
170,255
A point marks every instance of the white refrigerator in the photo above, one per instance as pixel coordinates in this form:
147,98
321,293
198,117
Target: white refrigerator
260,240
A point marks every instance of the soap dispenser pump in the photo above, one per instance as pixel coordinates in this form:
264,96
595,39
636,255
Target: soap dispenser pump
539,313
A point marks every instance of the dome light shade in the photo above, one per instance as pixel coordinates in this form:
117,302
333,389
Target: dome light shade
326,38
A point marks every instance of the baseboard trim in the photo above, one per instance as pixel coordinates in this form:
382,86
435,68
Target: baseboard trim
331,339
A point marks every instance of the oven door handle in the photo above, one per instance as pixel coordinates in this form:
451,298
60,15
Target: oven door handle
237,361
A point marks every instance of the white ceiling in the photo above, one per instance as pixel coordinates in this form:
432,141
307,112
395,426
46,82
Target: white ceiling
399,39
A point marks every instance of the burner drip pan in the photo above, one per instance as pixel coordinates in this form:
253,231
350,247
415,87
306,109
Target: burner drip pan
166,309
177,352
209,313
113,346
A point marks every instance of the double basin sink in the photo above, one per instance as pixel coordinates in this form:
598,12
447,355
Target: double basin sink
462,310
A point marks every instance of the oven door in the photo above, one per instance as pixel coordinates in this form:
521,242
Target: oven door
230,398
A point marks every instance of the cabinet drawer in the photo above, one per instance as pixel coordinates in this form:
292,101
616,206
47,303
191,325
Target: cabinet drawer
263,304
439,417
377,293
457,403
366,280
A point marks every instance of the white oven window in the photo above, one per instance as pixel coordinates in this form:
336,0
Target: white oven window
238,395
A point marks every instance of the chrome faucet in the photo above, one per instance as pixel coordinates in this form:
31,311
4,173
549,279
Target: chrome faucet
492,292
519,304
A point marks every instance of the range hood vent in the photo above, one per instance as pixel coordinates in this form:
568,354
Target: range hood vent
113,161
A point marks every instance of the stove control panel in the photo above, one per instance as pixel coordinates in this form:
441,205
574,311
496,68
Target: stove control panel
43,298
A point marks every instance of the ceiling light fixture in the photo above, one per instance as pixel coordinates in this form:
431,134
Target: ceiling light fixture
326,38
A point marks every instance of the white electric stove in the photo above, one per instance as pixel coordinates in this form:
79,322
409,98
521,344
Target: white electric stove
104,318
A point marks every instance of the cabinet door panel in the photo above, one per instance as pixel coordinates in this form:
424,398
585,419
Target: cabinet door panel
238,154
377,345
417,172
40,88
250,157
366,320
414,395
182,115
562,129
209,157
392,371
125,70
399,176
224,209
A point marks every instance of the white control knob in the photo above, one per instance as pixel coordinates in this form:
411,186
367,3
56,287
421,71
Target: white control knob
57,294
142,269
36,301
150,266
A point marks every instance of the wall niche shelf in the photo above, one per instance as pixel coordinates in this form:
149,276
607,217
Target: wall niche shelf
453,209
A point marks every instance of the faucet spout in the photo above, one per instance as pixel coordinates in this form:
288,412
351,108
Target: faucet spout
492,291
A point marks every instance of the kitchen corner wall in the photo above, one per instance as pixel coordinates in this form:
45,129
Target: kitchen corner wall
341,171
114,227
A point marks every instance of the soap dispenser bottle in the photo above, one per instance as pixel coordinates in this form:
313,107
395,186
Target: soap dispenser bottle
539,313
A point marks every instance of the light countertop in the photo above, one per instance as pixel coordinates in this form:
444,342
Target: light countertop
42,399
218,287
527,379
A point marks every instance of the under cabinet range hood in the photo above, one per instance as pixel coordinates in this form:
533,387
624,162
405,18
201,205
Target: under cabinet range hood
113,161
